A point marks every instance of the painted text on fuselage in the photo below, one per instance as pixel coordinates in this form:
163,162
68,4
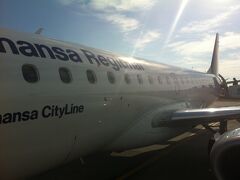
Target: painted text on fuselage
52,52
48,111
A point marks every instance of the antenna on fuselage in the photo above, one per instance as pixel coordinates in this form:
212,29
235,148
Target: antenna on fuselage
39,31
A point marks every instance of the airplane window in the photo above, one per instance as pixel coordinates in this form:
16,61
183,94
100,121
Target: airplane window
65,75
175,79
150,79
91,76
192,81
111,77
127,78
30,73
182,80
168,80
159,80
140,80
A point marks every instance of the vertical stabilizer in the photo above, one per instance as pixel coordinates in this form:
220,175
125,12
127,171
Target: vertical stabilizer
214,65
39,31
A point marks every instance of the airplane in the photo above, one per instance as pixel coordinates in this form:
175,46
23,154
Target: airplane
61,101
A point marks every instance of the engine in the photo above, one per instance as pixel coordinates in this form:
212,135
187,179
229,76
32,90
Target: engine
225,156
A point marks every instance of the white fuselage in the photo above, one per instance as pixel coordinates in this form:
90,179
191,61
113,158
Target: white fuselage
49,122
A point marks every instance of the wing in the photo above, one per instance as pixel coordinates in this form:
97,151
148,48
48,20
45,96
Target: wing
200,116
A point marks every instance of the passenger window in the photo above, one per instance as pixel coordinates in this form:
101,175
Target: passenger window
159,80
150,79
127,78
182,80
111,77
30,73
91,76
192,81
65,75
175,79
140,80
168,80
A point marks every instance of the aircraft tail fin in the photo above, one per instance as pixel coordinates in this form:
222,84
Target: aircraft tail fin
39,31
214,64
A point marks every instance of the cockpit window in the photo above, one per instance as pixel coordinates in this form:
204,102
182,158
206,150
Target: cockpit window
30,73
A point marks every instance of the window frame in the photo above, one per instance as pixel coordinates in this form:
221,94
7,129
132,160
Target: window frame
68,73
111,77
35,70
168,80
159,79
150,79
140,79
127,78
93,74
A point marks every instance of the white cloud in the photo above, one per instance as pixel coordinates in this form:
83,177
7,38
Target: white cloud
113,6
193,48
147,38
229,67
177,18
228,41
210,24
114,11
197,54
66,2
122,5
118,13
194,63
123,22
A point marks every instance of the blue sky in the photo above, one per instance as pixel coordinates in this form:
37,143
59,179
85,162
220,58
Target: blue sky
177,32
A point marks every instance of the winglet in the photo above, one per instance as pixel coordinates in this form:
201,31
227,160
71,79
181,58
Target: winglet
214,65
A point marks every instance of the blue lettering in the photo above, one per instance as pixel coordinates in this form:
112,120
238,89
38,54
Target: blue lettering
43,51
59,53
27,49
